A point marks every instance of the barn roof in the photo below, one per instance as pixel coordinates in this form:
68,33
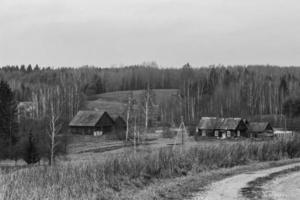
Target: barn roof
86,118
230,123
114,114
209,123
119,118
258,126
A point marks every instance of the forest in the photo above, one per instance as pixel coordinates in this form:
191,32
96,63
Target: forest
207,91
253,92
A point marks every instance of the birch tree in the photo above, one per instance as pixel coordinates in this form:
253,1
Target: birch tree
129,110
54,126
147,105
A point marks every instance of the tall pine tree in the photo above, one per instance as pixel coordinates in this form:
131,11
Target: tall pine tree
8,120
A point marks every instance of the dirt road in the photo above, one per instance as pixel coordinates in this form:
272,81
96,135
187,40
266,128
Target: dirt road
284,188
230,188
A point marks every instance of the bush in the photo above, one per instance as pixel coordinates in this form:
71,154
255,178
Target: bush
167,133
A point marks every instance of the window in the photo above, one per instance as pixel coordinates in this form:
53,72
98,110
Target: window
228,134
238,133
203,133
216,133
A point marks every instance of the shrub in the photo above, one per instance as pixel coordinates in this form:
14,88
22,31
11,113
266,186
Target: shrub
167,133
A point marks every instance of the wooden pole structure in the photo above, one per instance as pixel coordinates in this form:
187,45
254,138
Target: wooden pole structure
182,130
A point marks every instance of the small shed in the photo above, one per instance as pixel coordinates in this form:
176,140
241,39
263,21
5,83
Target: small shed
89,122
260,129
282,133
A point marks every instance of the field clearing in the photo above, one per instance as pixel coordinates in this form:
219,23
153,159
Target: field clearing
90,148
161,95
115,102
98,149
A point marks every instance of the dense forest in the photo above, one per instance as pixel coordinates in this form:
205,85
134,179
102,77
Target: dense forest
246,91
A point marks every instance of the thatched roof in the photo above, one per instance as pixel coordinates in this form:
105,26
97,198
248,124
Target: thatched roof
230,123
259,126
212,123
86,118
209,123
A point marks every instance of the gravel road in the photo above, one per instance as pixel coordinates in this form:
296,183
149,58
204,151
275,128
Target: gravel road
230,188
284,188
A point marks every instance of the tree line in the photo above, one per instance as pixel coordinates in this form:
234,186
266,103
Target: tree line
224,91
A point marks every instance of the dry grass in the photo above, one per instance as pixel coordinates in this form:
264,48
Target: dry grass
115,102
118,176
161,95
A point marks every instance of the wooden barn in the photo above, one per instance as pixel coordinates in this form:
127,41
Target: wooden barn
91,122
260,129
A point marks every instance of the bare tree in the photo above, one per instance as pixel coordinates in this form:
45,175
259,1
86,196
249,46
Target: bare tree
147,104
54,128
130,104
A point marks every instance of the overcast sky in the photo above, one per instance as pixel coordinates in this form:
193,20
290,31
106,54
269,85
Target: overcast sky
170,32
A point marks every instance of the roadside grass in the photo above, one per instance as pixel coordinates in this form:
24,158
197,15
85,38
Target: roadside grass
120,177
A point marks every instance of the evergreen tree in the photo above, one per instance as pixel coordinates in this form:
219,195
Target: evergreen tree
22,68
31,154
36,68
29,68
8,119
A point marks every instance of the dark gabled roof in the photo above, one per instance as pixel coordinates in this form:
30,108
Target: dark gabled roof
86,118
258,126
119,118
209,123
230,123
114,114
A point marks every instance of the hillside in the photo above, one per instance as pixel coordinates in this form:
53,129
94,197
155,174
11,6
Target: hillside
161,95
115,102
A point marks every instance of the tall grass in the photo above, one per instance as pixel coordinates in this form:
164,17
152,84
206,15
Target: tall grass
107,180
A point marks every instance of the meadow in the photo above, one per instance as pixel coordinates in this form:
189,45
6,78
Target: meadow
118,177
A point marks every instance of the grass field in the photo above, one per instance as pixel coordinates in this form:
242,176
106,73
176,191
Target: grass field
115,102
161,95
120,177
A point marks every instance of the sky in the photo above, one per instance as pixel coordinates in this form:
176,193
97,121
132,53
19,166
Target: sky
169,32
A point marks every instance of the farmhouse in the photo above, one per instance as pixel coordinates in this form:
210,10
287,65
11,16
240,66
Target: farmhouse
260,129
222,127
208,126
233,127
91,122
26,110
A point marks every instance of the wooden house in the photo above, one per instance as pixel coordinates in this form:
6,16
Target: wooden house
233,127
260,129
222,127
27,110
117,116
91,122
208,125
